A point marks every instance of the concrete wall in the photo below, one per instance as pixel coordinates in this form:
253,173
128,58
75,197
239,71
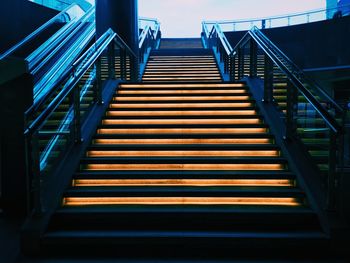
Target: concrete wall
19,18
313,45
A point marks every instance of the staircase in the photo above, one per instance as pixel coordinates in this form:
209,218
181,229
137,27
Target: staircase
183,163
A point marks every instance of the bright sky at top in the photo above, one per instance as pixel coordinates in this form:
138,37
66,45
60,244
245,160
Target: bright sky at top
182,18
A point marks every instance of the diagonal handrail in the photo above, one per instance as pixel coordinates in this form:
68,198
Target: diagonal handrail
288,67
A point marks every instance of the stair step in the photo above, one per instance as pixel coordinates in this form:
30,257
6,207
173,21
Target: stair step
219,175
165,105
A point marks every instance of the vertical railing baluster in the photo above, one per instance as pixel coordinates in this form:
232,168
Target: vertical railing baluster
111,61
77,119
291,111
98,85
240,63
232,68
268,80
253,58
36,173
332,172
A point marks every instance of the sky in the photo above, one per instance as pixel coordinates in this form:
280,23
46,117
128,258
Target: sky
182,18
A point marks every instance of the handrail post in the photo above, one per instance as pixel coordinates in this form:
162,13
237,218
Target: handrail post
292,101
77,119
268,80
98,84
232,68
134,68
111,61
240,63
253,58
332,172
123,69
36,174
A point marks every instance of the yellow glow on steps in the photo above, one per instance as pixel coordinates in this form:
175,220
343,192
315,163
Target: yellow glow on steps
206,91
237,153
222,167
184,141
180,113
81,201
183,130
181,98
181,121
183,78
183,182
182,105
146,86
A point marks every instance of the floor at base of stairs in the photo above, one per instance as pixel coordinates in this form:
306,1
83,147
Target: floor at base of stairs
181,261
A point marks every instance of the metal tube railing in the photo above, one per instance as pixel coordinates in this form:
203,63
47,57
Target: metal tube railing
309,112
280,20
71,91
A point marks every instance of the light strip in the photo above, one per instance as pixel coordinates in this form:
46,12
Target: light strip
182,130
233,153
237,91
183,182
183,105
181,85
183,141
182,113
183,98
162,167
273,201
180,121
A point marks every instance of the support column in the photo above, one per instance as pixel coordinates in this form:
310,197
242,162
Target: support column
122,17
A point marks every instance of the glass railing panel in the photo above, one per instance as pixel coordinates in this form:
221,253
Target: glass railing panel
281,21
313,131
88,90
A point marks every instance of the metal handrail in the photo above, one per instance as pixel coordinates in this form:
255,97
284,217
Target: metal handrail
144,35
223,40
330,121
77,74
54,75
53,45
119,41
58,18
271,18
292,75
297,70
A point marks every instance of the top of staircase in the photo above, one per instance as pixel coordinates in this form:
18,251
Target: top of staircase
180,43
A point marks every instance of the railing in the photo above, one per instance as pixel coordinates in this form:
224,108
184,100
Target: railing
311,116
279,21
54,123
39,56
149,39
61,4
70,14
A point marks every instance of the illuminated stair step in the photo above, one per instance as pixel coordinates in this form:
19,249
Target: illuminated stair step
180,74
238,153
158,91
184,141
182,105
184,70
181,78
183,182
162,86
181,67
116,113
180,98
179,121
179,167
80,201
180,61
181,130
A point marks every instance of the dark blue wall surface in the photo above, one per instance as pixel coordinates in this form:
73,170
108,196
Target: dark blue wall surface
19,18
313,45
